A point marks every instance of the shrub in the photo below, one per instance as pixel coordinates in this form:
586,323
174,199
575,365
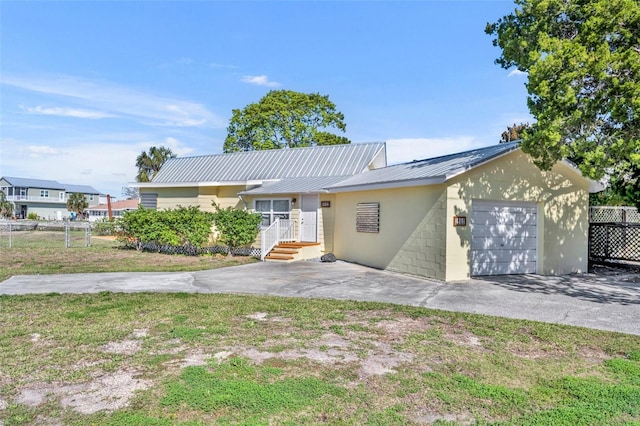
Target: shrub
184,226
105,226
237,227
33,216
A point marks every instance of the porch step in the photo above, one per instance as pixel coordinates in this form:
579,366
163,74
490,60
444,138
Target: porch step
296,245
280,250
292,251
276,256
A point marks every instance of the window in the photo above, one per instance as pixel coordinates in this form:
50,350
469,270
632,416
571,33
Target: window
272,209
61,196
91,197
44,193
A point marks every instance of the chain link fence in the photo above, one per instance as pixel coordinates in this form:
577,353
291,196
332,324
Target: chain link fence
32,234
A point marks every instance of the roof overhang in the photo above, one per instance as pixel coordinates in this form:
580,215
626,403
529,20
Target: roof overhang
387,185
594,186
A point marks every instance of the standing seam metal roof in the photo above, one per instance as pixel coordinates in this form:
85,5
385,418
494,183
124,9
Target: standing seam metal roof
442,168
318,161
49,184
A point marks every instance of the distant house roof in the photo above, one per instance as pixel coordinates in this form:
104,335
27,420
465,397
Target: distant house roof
117,205
428,171
83,189
276,164
33,183
49,184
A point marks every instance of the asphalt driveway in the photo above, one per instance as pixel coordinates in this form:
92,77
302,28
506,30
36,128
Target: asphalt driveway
589,300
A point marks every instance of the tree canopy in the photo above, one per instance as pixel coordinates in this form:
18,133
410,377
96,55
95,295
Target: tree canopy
77,202
149,164
514,133
583,63
285,119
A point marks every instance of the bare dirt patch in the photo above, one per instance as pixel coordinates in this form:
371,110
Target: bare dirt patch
106,392
125,347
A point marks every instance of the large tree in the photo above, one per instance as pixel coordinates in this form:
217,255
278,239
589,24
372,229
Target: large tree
514,133
582,58
77,203
149,164
285,119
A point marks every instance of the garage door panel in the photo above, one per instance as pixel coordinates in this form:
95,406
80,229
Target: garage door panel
503,268
505,230
508,256
503,238
502,243
487,218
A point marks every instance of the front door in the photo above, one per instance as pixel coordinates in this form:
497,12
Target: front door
309,218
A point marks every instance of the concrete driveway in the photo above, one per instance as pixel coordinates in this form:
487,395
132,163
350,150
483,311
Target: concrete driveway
588,300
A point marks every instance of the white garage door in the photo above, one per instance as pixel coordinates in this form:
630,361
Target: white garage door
503,238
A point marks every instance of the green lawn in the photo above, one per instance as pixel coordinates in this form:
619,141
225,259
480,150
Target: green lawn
165,359
43,252
197,359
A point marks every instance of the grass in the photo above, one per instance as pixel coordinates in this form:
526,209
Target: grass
197,359
44,252
206,359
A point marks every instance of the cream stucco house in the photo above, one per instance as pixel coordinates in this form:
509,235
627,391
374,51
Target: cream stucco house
482,212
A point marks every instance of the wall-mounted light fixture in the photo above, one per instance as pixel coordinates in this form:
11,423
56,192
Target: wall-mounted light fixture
293,201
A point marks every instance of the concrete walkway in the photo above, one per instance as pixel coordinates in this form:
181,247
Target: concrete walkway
584,300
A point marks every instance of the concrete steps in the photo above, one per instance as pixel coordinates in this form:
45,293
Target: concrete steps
289,252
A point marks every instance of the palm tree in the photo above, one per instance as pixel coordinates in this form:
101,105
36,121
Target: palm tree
6,207
77,203
149,164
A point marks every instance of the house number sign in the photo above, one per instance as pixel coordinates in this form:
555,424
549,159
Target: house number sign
459,221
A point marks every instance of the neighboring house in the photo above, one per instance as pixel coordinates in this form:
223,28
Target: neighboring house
118,208
46,198
483,212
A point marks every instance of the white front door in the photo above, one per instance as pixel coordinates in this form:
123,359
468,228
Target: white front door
309,218
503,238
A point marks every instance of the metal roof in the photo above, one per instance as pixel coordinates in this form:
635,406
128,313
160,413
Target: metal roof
33,183
83,189
49,184
432,170
317,161
295,186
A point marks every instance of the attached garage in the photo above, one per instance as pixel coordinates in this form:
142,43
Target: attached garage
489,211
504,238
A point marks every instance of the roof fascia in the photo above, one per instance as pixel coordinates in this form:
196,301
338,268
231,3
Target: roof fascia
198,184
388,185
594,186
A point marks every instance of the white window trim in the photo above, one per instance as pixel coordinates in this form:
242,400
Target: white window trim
271,212
44,193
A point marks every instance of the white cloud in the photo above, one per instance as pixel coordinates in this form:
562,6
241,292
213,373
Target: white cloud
102,161
111,98
409,149
260,80
516,73
39,151
68,112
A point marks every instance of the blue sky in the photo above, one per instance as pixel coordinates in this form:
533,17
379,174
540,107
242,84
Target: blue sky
86,86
